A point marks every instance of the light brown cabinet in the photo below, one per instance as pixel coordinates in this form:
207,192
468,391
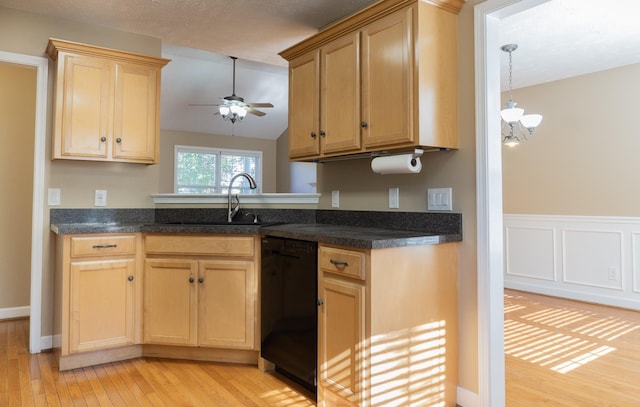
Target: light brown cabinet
326,82
382,79
99,306
200,291
107,104
387,325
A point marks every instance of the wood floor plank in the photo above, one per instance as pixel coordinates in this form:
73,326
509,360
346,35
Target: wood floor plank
154,382
51,395
560,352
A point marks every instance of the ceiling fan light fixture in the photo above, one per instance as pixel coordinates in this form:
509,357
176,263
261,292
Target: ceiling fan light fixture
516,123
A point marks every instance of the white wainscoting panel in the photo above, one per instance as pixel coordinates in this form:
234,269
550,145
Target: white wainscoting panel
635,238
594,259
530,252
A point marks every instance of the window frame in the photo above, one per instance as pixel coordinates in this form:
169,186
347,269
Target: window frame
219,152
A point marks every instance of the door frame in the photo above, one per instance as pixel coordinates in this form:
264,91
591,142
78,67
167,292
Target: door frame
490,262
37,214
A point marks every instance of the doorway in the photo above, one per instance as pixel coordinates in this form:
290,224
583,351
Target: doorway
17,128
36,163
491,372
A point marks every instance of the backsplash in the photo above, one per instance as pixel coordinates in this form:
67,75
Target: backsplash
431,222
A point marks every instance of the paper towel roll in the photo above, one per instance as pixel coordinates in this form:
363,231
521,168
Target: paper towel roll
397,164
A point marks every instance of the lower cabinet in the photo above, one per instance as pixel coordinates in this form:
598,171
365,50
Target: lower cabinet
200,302
98,300
200,294
388,325
101,304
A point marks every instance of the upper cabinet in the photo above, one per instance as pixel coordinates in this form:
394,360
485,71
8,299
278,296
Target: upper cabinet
107,104
382,79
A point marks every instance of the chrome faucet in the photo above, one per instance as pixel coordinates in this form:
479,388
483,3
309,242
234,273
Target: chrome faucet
233,210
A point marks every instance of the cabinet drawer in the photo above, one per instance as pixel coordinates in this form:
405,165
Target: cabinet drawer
89,246
346,262
228,245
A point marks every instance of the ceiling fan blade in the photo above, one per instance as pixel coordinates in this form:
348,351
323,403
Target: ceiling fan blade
259,105
255,112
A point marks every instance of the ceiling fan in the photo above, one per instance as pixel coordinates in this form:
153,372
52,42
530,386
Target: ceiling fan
234,108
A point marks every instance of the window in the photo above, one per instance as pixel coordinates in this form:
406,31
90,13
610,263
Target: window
205,170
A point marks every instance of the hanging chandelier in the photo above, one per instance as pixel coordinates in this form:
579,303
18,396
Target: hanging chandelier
516,126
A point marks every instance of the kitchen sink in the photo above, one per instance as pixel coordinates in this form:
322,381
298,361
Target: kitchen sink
214,223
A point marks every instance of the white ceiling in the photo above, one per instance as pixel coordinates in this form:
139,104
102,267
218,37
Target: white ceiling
558,39
565,38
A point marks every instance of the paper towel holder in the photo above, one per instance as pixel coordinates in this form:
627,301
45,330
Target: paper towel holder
409,162
416,154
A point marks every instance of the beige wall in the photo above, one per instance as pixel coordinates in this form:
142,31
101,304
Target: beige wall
129,185
17,118
359,187
170,138
583,158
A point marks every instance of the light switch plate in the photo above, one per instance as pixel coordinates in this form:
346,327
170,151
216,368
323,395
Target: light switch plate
101,197
53,198
335,199
439,199
394,198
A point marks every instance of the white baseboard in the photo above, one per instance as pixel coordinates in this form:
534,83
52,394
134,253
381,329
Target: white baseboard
47,342
467,398
16,312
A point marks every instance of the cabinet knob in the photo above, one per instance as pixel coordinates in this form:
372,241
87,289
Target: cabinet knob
130,278
322,133
363,125
313,134
201,280
103,139
118,140
320,302
191,279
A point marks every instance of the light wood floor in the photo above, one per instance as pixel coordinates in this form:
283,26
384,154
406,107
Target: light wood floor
34,380
567,353
558,353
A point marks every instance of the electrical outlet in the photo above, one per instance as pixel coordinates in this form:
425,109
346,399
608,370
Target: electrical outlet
53,196
100,198
394,198
439,199
335,199
613,273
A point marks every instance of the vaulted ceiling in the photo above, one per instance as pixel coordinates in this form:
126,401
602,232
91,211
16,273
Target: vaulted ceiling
558,39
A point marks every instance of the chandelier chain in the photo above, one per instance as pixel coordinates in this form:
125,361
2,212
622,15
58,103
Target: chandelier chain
510,77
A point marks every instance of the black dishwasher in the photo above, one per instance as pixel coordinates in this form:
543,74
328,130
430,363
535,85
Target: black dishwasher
289,312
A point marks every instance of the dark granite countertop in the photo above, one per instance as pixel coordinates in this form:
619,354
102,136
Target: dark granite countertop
369,230
355,236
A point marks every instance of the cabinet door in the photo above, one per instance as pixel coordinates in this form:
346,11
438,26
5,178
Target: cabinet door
304,110
136,113
341,322
227,304
83,122
340,95
101,304
388,81
170,301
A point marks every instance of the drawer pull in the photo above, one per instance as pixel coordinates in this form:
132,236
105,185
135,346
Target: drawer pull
339,263
130,278
104,246
191,279
201,280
